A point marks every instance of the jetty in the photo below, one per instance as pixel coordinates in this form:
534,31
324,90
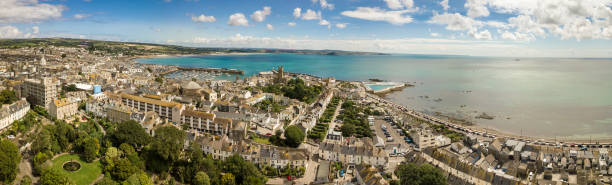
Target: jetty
215,70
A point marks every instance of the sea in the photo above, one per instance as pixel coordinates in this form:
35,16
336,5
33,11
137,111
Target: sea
550,97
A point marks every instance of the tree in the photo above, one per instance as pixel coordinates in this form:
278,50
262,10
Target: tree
107,181
53,176
201,178
243,171
7,96
39,159
9,159
64,134
347,129
140,178
424,174
130,132
294,136
228,179
168,142
26,180
91,147
123,169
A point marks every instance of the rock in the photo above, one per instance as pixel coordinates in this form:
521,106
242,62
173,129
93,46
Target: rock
485,116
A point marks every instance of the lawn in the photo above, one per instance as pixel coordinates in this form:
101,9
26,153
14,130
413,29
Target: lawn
260,140
85,175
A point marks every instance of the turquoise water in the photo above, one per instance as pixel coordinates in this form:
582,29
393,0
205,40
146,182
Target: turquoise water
379,87
537,97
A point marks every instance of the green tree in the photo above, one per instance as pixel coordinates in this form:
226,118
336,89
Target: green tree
64,134
228,179
107,181
347,129
7,96
130,132
140,178
26,180
91,147
39,159
201,178
424,174
9,161
123,169
243,171
294,136
168,142
53,176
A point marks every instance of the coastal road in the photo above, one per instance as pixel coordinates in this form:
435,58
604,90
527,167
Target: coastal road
488,134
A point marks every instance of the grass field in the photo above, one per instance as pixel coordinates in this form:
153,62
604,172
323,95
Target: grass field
84,176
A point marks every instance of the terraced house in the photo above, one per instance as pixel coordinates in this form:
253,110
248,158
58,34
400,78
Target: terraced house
204,122
12,112
277,157
357,152
165,109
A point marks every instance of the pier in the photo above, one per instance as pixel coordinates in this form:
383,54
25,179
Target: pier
216,70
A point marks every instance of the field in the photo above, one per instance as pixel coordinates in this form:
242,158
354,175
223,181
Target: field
85,175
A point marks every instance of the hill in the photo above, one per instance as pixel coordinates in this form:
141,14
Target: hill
139,49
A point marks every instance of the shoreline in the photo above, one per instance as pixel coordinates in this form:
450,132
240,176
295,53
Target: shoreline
473,126
503,134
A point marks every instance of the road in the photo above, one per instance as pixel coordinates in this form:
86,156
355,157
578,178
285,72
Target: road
310,174
486,133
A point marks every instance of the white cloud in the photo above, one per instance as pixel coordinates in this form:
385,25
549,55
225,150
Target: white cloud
434,34
81,16
324,4
455,21
399,4
291,24
28,11
477,8
567,19
238,19
409,45
341,25
323,22
311,15
444,4
260,15
13,32
516,36
203,18
269,27
378,14
483,35
35,29
497,24
297,12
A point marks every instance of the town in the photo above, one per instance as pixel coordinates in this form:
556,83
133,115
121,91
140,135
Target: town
78,115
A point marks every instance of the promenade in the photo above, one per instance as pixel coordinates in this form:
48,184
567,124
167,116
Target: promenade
574,143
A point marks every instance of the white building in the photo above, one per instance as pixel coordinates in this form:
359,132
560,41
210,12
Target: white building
12,112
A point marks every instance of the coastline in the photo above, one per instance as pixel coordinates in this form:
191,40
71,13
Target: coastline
190,55
473,126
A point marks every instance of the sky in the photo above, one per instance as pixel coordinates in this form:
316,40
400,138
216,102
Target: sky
509,28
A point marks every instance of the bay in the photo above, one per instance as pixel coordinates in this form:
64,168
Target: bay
568,98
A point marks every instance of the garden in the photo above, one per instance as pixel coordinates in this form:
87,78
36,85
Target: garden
79,171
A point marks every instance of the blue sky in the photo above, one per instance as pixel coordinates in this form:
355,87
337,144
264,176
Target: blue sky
523,28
